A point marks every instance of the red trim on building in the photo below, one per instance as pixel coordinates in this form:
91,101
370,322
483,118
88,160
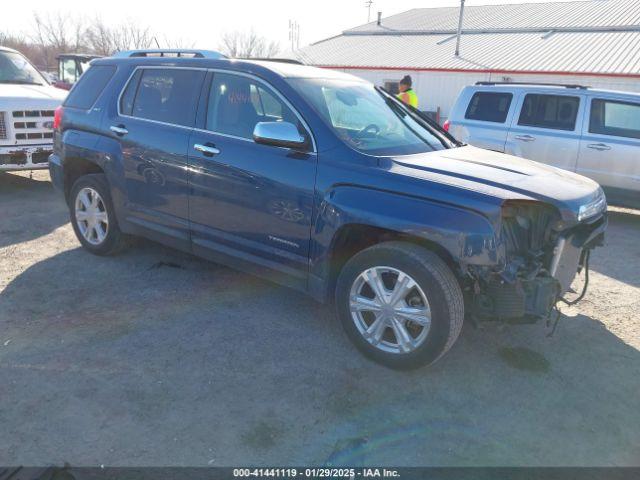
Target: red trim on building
462,70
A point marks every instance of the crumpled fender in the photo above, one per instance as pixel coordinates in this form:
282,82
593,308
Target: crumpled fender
468,236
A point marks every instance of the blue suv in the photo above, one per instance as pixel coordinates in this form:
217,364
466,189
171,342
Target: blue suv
322,182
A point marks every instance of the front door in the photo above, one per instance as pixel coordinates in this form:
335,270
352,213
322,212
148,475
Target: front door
547,130
610,147
250,201
153,123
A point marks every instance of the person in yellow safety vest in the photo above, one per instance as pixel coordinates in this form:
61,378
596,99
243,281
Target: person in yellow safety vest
407,95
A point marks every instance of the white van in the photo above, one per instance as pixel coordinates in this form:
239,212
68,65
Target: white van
27,105
595,133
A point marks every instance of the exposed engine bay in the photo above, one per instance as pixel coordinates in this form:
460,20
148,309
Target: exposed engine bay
542,256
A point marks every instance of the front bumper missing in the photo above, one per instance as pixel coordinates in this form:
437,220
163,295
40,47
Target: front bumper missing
570,251
28,157
526,297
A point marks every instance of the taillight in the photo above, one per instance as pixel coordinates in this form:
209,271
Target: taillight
57,117
446,125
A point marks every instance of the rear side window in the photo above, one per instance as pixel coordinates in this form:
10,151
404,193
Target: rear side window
163,95
89,87
620,119
489,107
557,112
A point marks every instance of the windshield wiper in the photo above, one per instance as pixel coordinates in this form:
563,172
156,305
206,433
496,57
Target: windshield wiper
20,82
421,118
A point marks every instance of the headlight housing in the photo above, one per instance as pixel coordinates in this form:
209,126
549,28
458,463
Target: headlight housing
593,208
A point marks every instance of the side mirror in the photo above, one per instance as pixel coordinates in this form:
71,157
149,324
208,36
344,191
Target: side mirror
279,134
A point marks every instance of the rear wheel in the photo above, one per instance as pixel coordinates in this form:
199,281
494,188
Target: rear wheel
400,304
93,217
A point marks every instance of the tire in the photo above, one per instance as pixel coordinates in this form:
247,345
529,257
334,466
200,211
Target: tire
432,311
113,240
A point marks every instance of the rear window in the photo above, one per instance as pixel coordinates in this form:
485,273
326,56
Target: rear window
620,119
85,93
163,95
557,112
489,107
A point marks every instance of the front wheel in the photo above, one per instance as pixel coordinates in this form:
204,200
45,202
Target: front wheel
400,304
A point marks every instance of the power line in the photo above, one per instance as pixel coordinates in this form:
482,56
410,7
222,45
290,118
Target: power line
368,4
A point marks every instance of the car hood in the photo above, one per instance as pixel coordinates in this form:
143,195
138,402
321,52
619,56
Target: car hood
25,97
500,175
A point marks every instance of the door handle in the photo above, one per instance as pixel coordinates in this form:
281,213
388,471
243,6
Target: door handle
119,130
599,146
206,150
525,138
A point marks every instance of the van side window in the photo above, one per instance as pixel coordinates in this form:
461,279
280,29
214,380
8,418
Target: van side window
557,112
85,93
166,95
489,107
620,119
238,103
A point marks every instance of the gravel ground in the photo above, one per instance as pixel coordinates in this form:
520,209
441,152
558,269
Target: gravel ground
154,357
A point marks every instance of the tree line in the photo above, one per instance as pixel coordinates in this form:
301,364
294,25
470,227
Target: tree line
53,35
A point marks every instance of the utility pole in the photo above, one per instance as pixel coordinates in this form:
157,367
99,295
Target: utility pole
368,4
459,28
294,34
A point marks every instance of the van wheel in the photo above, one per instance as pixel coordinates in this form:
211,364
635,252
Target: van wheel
400,304
93,217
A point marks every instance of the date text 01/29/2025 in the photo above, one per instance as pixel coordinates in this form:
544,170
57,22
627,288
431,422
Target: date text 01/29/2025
348,473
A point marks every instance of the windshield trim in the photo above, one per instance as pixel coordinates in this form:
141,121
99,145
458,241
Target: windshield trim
449,140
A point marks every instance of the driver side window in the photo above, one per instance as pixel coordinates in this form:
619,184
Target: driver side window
237,103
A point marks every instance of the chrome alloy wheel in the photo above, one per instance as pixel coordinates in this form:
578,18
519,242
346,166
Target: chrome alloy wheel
91,216
390,309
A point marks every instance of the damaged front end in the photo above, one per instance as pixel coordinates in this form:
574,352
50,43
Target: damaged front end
541,254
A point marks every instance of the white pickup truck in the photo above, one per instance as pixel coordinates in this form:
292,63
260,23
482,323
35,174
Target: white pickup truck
27,105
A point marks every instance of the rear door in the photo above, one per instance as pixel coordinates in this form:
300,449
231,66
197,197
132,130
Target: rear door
155,116
547,129
248,200
610,146
486,120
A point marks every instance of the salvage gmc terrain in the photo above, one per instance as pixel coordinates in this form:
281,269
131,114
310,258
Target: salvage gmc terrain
325,183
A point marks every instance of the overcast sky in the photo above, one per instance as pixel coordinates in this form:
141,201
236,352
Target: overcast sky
202,23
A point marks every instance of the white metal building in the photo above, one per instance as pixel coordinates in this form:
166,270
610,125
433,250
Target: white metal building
594,43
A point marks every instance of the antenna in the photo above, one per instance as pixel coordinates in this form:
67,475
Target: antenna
294,34
368,4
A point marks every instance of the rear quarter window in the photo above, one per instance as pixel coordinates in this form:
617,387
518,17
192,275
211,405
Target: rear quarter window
489,107
615,118
85,93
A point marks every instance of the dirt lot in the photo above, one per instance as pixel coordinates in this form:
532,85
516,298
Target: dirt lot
154,357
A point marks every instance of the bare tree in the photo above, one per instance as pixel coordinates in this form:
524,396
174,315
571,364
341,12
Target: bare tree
55,34
248,45
63,33
102,39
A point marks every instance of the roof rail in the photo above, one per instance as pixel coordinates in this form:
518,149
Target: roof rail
273,59
580,87
170,53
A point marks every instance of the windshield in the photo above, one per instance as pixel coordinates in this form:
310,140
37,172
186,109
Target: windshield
366,119
14,68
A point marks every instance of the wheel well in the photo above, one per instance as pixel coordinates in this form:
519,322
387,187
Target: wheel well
351,239
75,168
